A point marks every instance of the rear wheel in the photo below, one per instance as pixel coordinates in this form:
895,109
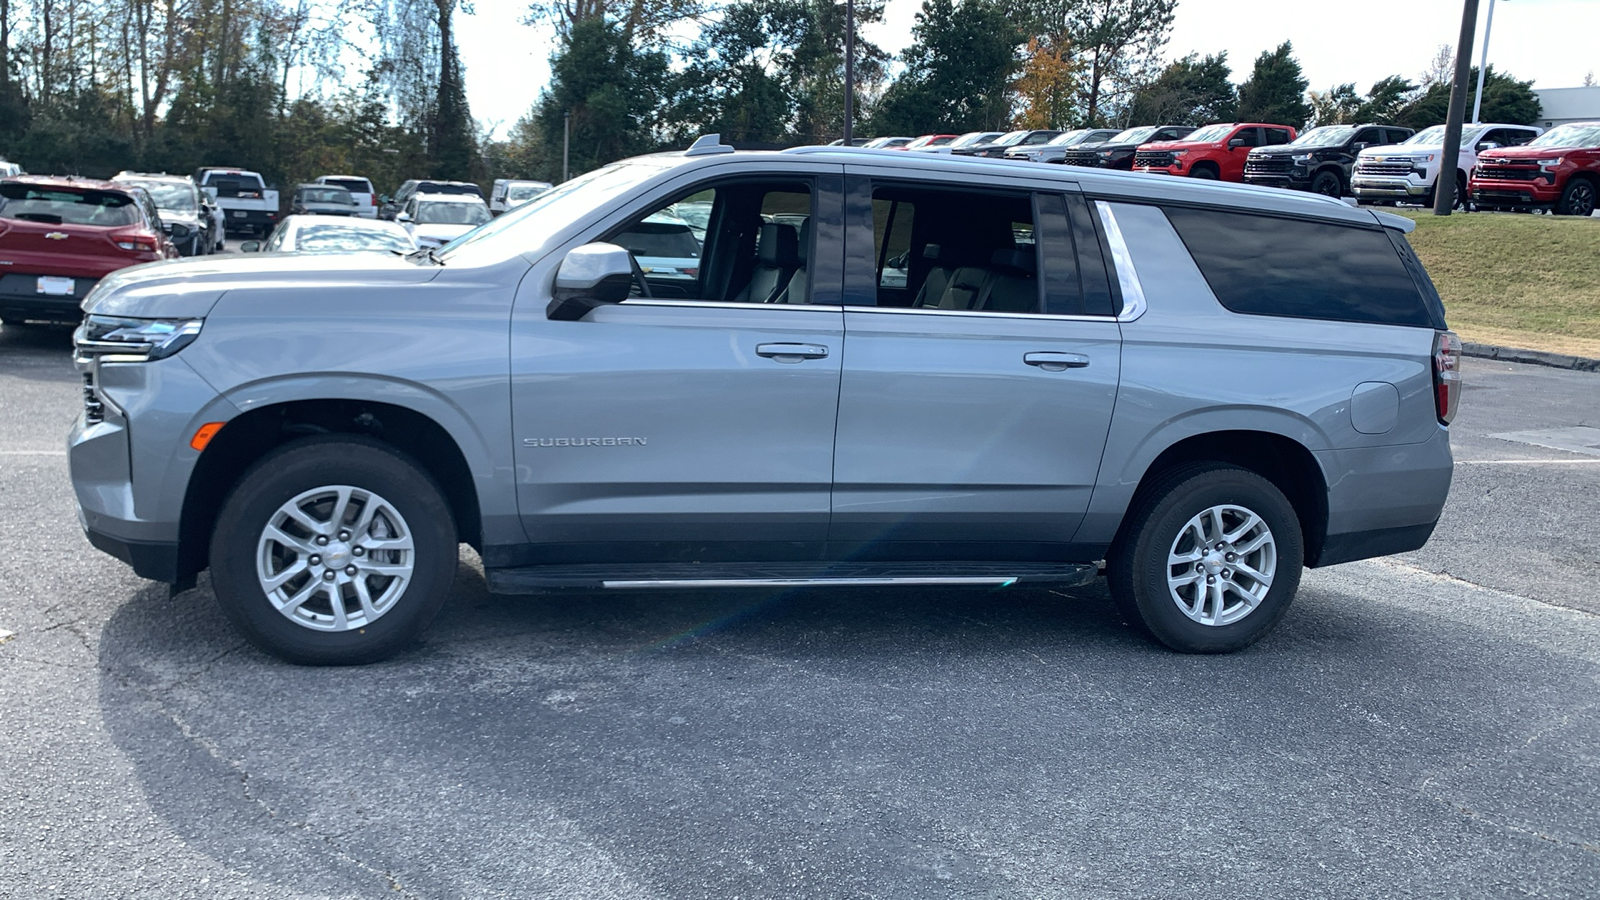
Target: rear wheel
1210,559
1327,184
1578,199
333,550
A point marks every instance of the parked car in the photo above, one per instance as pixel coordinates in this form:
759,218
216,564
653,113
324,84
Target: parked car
1117,152
666,249
1320,160
887,143
8,169
510,193
393,205
1216,152
325,234
1407,171
1239,384
248,205
180,202
437,219
854,142
1006,142
930,140
970,139
60,236
322,200
1558,170
360,189
1056,147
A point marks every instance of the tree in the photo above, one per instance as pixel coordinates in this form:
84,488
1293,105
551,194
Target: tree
1191,91
1275,91
958,71
1441,68
817,66
1338,105
740,81
1505,99
1385,99
1121,43
1048,85
613,91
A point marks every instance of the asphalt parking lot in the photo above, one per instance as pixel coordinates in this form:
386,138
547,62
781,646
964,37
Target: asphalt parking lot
1425,726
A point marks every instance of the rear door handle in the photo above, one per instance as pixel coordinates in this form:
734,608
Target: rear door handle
792,353
1052,361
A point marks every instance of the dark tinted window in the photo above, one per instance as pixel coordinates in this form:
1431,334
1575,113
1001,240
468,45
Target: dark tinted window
1264,265
950,249
1372,136
1277,136
66,206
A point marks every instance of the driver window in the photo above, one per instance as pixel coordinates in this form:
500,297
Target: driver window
742,242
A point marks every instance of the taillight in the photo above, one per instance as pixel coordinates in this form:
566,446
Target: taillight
136,246
1446,375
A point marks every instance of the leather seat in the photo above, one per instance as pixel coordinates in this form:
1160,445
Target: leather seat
1013,283
798,290
777,256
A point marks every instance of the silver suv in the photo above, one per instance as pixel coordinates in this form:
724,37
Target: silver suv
1205,387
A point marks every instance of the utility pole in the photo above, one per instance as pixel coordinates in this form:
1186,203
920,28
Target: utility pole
1483,66
849,68
1444,185
566,142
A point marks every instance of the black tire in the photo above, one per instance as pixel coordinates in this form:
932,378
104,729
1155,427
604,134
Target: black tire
1205,172
306,464
1328,184
1137,566
1577,198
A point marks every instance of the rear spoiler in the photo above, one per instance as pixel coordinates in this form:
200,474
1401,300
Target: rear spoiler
1398,223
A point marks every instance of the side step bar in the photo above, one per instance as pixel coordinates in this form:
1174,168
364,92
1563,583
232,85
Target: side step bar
643,576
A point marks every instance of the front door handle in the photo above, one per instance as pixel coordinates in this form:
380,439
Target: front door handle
792,353
1051,361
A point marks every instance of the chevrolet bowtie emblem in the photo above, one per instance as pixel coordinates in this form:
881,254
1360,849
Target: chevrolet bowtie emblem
56,235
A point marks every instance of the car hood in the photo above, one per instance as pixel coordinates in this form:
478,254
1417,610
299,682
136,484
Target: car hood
1181,145
1529,152
1286,150
442,232
1397,150
189,288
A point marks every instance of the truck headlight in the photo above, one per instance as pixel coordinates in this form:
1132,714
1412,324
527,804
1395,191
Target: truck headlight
1548,163
1301,157
117,339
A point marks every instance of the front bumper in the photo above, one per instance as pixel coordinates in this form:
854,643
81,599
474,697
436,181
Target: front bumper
1388,187
1290,181
1519,194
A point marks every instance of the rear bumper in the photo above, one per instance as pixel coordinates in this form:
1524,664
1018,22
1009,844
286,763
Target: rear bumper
1384,500
249,218
20,299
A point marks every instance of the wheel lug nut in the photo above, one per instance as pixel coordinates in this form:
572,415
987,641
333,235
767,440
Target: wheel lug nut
344,535
350,570
1226,574
328,575
1229,557
315,560
1211,579
1199,567
359,551
322,540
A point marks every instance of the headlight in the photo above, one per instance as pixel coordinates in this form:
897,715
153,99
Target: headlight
1549,163
1105,152
1301,157
1179,152
116,339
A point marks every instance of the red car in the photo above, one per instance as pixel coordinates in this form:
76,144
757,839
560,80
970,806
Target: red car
1216,151
59,236
1558,170
929,140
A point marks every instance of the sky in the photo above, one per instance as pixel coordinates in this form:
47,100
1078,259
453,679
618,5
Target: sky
507,63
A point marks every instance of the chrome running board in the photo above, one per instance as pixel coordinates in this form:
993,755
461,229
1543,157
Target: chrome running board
659,576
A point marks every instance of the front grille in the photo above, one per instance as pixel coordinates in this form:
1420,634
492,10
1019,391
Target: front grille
1267,166
1089,158
1383,168
1156,159
1508,173
94,411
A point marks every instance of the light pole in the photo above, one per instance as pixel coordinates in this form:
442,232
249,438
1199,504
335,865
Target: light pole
849,67
1483,66
566,141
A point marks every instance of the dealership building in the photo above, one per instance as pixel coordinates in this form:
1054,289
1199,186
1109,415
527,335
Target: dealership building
1563,105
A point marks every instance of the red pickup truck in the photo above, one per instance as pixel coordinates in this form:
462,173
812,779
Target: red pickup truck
1558,170
1216,151
60,236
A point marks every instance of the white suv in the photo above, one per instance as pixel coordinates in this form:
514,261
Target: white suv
1407,171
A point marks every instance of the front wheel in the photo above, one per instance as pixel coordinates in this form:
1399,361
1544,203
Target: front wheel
333,550
1210,559
1327,184
1577,199
1205,172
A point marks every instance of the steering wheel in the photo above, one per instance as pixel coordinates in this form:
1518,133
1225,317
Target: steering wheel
638,277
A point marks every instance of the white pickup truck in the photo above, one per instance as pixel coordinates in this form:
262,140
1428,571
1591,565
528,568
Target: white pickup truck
247,204
1407,172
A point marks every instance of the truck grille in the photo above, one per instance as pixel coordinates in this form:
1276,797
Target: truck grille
1383,168
1270,165
1500,172
1155,159
1084,158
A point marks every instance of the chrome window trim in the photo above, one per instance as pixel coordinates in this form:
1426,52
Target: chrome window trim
724,304
1133,302
978,313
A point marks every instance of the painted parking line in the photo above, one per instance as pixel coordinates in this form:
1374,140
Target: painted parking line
1528,462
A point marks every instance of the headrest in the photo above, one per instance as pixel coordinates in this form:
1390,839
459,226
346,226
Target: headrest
930,251
779,246
1021,259
805,241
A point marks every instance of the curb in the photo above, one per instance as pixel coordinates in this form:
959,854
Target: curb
1530,357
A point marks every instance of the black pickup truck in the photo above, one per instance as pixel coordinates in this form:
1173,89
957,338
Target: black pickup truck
1320,160
1117,153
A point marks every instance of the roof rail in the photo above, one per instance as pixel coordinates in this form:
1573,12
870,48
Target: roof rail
707,145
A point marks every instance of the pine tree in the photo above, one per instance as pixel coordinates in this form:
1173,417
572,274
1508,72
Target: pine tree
1276,90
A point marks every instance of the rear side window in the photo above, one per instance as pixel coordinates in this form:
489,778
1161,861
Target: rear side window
1276,136
1269,266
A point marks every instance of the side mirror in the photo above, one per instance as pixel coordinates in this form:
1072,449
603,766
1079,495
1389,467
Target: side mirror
1359,146
590,276
1235,143
403,218
178,231
250,247
1487,145
384,199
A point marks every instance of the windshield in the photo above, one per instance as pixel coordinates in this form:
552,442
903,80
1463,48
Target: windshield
528,227
1134,135
521,193
445,212
1427,137
1326,136
1209,134
1580,134
63,206
972,137
1067,137
1011,137
327,195
344,239
169,197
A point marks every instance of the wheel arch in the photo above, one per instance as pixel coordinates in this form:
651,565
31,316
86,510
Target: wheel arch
1207,164
261,427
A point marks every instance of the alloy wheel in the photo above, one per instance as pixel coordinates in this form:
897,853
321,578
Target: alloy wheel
1221,565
